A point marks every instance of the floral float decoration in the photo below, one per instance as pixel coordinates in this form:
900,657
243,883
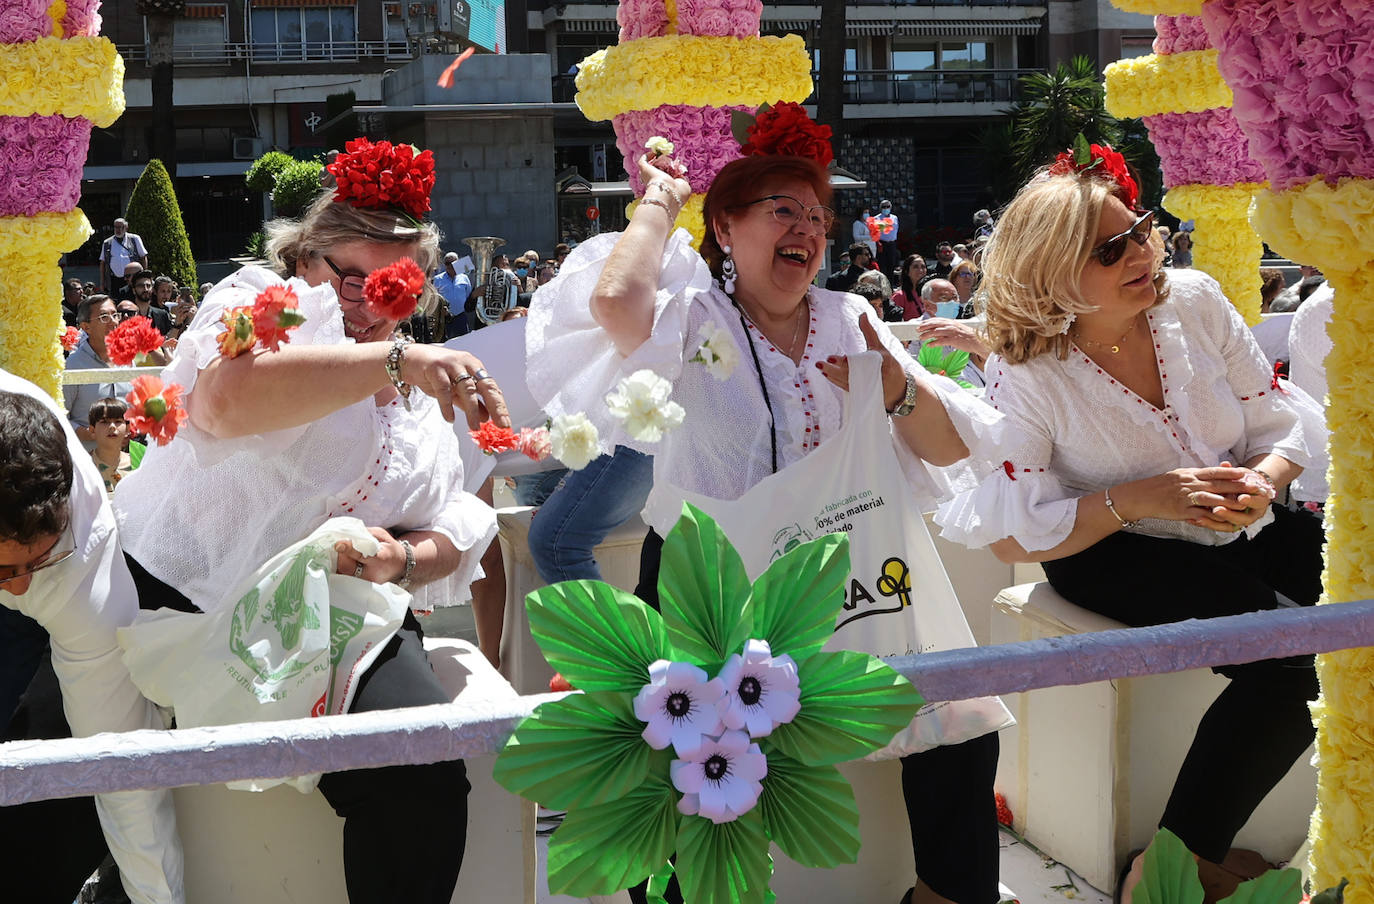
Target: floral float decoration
1171,877
706,732
60,79
1208,171
1300,72
678,71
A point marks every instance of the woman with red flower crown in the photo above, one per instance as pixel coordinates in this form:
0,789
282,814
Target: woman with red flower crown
320,409
1152,441
767,218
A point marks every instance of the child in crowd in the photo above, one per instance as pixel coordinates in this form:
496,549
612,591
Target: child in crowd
111,437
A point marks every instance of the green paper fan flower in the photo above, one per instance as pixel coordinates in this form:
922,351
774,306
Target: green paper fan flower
707,731
945,362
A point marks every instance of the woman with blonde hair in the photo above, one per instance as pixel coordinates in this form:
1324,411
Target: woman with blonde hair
1152,443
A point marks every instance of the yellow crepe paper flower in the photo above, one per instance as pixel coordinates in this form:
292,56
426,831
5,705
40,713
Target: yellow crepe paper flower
57,12
1329,225
1228,249
1161,7
76,77
1187,82
696,70
689,217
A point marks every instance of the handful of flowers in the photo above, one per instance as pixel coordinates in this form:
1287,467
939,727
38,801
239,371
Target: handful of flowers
131,341
532,442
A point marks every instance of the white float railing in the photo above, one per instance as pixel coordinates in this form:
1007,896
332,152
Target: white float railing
39,770
107,375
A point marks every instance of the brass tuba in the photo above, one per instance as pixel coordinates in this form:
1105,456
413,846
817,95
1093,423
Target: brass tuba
496,283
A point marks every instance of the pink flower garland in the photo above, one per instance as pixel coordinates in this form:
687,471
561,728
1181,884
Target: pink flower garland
701,135
1207,148
81,19
24,20
1303,79
1177,34
43,158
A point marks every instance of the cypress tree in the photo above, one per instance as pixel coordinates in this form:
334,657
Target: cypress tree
155,215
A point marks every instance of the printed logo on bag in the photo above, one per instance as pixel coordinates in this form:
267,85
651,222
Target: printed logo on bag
788,539
287,613
893,583
343,627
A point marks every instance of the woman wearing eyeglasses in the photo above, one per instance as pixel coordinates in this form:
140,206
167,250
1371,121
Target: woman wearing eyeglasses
1153,440
347,419
606,316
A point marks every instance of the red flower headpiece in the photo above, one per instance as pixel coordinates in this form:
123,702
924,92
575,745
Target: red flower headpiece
382,175
786,129
1101,161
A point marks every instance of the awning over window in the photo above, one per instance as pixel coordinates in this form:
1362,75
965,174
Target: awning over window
596,25
296,4
204,11
969,27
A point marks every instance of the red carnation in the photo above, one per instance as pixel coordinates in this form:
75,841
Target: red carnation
383,175
275,315
155,409
1104,163
1003,811
393,292
492,439
135,336
786,129
70,338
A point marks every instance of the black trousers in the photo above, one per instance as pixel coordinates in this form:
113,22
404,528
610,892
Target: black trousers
393,812
1260,724
950,803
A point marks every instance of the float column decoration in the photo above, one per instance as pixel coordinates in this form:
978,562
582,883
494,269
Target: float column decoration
60,79
1208,171
679,71
1303,77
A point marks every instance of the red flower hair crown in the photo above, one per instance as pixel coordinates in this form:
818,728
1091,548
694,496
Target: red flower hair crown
384,175
782,129
1100,161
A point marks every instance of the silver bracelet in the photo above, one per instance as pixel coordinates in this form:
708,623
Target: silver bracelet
1125,525
665,187
404,582
394,359
1269,481
655,202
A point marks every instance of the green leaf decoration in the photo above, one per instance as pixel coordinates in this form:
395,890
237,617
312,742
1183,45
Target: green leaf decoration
809,811
726,863
797,598
599,637
1170,873
1082,151
703,591
740,121
851,705
1273,887
602,849
945,362
136,453
580,751
1333,895
656,889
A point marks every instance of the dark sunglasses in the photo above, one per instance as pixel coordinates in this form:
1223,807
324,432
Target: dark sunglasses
125,315
1111,251
350,283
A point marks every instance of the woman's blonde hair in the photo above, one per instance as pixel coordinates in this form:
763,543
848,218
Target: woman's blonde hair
1031,265
327,223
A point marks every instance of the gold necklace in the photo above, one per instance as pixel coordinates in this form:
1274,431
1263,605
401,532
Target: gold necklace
803,317
1113,347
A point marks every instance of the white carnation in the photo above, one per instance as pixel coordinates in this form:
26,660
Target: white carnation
717,352
574,440
641,402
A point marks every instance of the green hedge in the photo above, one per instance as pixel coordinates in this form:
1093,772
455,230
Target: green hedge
297,185
155,216
262,175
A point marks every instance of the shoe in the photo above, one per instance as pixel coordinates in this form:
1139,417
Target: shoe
1125,874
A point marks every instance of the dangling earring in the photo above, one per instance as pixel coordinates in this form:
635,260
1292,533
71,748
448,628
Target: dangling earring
727,272
1068,322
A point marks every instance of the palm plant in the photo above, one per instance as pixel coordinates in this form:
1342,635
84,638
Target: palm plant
1054,108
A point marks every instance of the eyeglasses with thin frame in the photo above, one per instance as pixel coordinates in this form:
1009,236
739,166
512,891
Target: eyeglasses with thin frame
60,552
789,211
350,281
1112,250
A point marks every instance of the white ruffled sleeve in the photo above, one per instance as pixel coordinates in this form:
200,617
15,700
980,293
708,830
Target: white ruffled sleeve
1021,498
571,363
1279,417
199,346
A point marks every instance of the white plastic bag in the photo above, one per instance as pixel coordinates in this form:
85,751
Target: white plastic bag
899,600
293,643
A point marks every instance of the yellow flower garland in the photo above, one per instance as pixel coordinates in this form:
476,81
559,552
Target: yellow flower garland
695,70
1161,7
81,78
1333,224
1187,82
57,12
1227,248
689,217
29,321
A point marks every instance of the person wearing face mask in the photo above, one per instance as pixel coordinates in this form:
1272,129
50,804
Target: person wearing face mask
888,256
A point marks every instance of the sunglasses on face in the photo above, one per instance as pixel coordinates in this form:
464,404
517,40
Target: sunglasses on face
1111,251
350,282
788,211
62,550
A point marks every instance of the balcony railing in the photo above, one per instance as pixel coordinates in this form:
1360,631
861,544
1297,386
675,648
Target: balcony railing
308,52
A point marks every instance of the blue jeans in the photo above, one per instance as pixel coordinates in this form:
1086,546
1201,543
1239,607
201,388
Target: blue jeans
534,489
589,505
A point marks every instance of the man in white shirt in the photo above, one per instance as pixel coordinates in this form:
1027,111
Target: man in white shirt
62,567
116,253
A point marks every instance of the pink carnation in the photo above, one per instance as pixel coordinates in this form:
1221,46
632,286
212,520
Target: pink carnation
534,442
24,20
728,18
641,19
702,136
81,19
1177,34
1207,148
43,158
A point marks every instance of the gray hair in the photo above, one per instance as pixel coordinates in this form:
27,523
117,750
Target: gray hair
928,289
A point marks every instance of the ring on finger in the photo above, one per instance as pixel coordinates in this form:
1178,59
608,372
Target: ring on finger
466,376
481,375
358,572
1193,497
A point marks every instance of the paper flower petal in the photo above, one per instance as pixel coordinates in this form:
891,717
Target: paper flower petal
809,812
724,863
1170,873
680,707
599,637
851,705
761,690
722,779
579,751
703,591
796,598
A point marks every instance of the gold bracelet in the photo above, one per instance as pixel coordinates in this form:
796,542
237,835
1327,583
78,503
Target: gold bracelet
657,203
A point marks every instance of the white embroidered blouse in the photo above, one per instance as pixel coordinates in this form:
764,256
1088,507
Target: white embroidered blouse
202,513
723,447
1076,430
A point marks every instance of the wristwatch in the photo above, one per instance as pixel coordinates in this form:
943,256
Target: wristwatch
908,402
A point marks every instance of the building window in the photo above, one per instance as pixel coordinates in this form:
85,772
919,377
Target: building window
1132,47
200,34
310,33
923,54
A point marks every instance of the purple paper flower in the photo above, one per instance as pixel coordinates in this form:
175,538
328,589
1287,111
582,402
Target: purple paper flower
679,705
761,690
723,780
